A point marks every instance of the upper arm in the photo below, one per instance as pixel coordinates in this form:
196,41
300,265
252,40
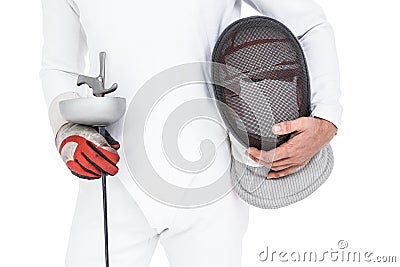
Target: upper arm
298,15
64,48
306,19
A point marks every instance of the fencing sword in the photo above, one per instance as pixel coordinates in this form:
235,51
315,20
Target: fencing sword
97,84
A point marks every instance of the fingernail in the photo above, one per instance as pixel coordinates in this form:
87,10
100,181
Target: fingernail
276,128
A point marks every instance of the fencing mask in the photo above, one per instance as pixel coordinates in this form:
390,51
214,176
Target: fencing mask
260,78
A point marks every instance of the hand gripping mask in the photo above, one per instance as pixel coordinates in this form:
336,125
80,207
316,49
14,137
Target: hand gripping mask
260,78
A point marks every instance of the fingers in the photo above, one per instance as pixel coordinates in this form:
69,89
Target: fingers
111,141
259,161
86,152
281,167
100,158
106,152
84,161
282,173
79,171
304,142
278,168
287,127
287,162
260,155
279,153
275,165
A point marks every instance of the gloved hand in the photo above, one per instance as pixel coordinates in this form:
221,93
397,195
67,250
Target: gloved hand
86,152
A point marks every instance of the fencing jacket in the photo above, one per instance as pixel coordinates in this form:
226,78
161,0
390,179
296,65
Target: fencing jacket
144,38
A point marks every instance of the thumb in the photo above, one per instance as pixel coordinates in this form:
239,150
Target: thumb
287,127
111,141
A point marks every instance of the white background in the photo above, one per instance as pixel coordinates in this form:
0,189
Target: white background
359,203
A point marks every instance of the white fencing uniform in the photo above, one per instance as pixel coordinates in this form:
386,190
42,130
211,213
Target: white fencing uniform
142,39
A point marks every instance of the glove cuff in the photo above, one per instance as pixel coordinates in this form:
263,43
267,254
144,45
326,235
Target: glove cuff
55,118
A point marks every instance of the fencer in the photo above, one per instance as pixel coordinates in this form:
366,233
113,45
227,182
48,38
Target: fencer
141,40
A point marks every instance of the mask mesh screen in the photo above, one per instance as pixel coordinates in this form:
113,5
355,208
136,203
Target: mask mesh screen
263,81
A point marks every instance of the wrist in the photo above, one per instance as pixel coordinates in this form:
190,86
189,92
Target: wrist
55,117
327,129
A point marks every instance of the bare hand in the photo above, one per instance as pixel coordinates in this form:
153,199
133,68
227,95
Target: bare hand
308,136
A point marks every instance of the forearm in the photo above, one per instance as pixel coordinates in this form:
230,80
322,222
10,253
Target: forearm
320,52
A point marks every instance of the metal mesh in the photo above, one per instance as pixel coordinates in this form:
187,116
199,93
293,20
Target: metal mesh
264,80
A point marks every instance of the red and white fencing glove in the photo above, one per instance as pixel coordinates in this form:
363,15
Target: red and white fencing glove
86,152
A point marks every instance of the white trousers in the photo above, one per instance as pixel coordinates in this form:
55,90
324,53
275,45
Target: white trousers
202,237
